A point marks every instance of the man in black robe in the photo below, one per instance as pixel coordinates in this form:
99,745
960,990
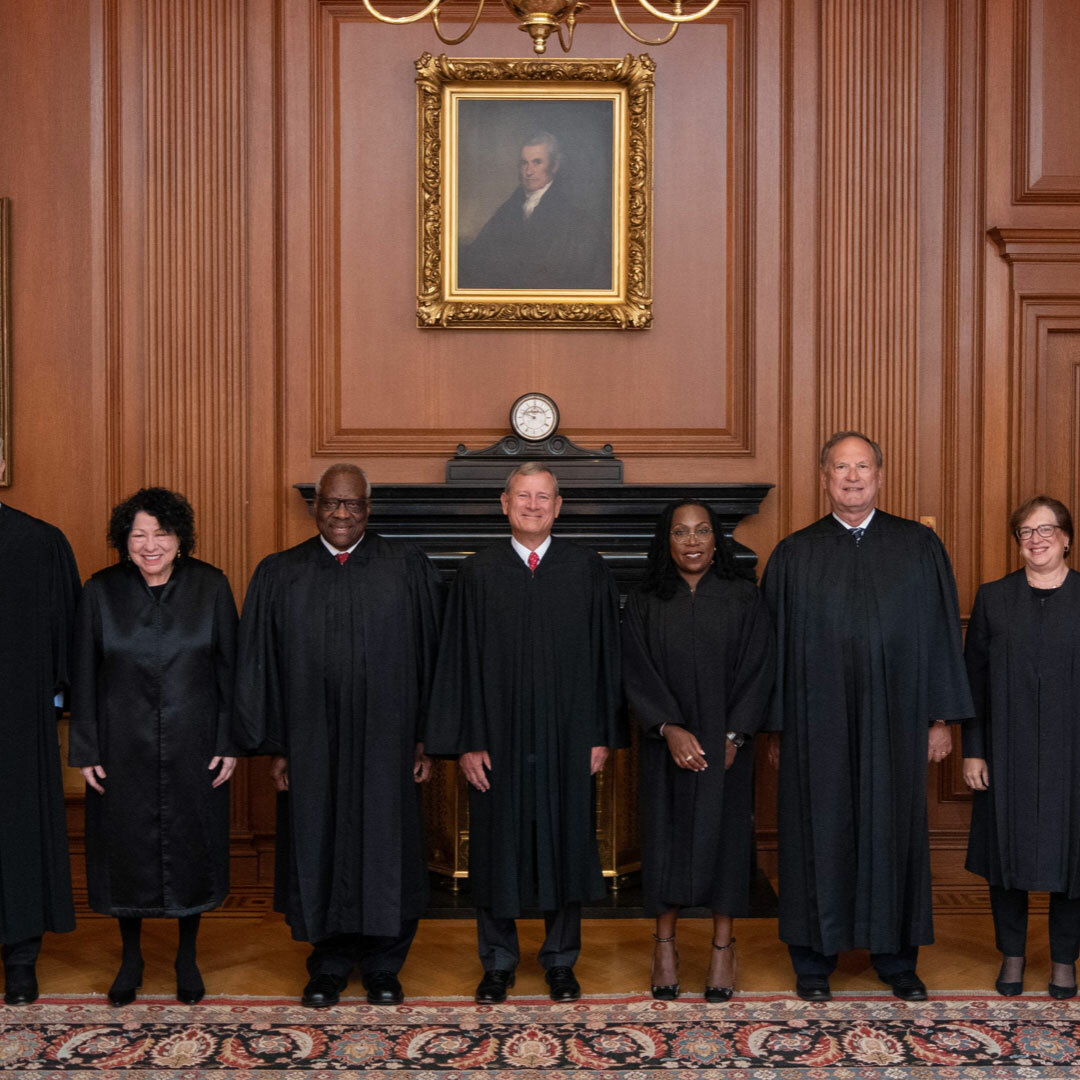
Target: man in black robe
338,640
39,587
869,675
538,238
527,693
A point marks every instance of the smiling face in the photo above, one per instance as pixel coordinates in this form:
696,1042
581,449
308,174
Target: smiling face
852,479
341,526
536,167
1044,554
532,507
152,548
693,544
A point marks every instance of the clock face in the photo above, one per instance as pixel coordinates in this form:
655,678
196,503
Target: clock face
534,416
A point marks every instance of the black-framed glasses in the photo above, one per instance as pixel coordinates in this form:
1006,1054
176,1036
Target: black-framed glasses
682,535
1026,532
353,506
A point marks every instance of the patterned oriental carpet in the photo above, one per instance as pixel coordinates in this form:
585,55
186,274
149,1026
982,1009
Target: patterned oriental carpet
952,1037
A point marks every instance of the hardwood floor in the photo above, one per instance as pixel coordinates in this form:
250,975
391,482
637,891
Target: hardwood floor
252,953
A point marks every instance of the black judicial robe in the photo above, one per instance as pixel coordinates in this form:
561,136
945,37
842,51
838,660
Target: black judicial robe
1023,659
705,660
334,672
39,587
868,641
152,691
529,671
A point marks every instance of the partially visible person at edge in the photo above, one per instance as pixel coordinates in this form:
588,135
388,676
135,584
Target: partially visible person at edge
698,667
338,640
869,677
1022,747
39,588
152,691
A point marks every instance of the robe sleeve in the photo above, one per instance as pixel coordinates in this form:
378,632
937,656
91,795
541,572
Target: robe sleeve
977,659
610,727
650,700
773,585
428,598
225,624
83,745
65,596
949,696
258,720
752,685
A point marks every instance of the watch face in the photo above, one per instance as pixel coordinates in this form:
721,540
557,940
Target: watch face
534,416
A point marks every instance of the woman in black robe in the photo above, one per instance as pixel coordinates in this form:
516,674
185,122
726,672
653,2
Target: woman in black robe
698,662
155,641
1022,749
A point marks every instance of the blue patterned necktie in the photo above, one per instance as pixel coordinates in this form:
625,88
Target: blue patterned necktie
856,534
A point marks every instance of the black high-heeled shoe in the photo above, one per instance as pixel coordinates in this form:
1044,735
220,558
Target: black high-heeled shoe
1062,993
1010,989
127,981
190,989
671,991
717,995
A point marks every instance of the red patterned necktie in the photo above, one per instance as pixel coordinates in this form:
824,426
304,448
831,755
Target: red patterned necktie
534,561
342,557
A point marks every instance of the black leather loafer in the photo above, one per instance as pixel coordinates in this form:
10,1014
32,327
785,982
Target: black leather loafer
493,986
907,986
813,987
383,988
323,991
20,986
562,986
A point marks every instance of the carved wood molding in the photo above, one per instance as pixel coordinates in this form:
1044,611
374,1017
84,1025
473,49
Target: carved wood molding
1037,245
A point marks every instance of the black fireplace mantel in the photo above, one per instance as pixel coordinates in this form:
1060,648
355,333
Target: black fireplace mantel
449,522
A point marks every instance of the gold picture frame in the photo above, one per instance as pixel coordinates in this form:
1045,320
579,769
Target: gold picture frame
585,261
5,339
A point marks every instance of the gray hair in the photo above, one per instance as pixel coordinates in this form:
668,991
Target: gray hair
545,138
531,468
349,470
840,436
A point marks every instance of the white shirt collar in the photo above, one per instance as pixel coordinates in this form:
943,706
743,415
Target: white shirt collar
533,198
524,552
862,524
333,550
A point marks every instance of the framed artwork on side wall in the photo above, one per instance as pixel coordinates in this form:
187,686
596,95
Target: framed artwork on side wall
534,193
5,339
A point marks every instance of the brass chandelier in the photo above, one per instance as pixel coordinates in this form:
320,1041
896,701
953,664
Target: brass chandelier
540,18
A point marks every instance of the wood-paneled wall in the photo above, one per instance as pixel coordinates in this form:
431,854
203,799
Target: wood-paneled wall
867,214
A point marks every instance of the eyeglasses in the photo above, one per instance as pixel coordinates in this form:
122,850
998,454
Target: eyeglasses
1025,532
682,535
353,506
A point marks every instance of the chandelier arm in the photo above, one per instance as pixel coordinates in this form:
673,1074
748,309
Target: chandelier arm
469,29
655,11
571,22
433,6
637,37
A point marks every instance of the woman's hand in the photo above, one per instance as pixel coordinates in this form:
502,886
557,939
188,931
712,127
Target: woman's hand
279,772
228,767
91,774
976,774
730,750
685,750
422,764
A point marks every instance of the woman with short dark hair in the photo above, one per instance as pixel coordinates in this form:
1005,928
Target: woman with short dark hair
698,663
155,641
1022,748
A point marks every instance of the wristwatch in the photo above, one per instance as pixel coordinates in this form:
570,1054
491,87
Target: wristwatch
736,738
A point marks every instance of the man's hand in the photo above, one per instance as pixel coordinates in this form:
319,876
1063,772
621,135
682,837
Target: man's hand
422,764
476,765
976,774
279,772
228,767
939,743
91,774
597,759
730,750
685,750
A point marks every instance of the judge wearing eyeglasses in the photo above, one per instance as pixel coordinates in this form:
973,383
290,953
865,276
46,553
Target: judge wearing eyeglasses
1022,748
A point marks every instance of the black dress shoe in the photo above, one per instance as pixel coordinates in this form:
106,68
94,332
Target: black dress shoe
813,987
383,988
1061,993
323,990
717,995
906,985
562,986
189,985
493,986
20,986
1009,989
127,981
